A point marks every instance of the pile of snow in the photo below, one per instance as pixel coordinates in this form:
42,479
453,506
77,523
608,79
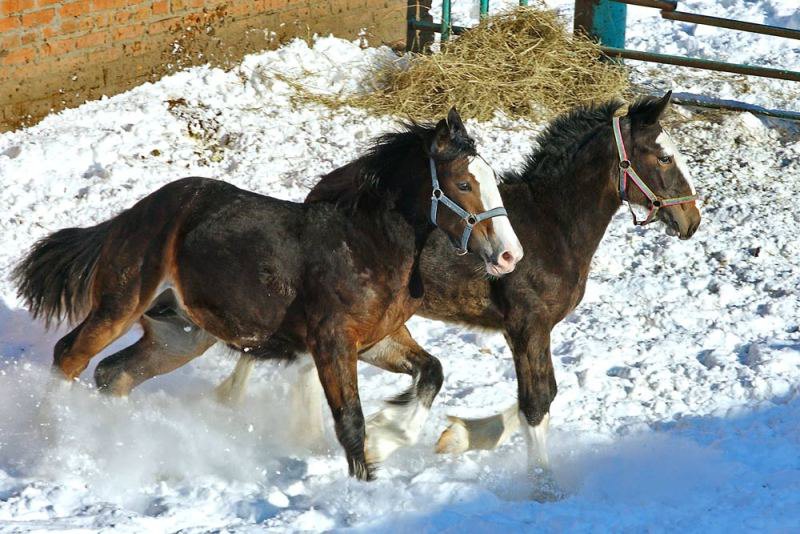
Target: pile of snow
678,376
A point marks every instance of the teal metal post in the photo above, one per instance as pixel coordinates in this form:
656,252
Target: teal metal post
608,23
523,2
484,9
445,20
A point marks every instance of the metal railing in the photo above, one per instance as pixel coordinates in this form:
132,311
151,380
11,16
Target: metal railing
605,20
418,19
606,23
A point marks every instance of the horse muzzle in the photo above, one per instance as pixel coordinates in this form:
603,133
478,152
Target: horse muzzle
501,257
681,220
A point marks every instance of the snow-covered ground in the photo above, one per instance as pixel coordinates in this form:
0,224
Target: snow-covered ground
678,405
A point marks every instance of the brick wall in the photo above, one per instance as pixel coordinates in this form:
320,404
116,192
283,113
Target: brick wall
57,54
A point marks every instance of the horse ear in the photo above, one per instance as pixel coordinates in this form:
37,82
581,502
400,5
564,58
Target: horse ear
441,139
649,113
447,131
457,127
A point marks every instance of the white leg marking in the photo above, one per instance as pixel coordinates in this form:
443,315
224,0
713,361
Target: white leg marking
536,440
306,421
486,433
393,427
490,197
231,390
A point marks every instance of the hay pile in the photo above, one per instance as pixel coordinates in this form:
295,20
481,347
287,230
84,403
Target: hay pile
524,62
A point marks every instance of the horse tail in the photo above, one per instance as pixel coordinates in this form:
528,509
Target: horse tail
55,278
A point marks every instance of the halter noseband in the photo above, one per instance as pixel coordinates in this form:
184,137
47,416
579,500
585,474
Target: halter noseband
626,170
470,219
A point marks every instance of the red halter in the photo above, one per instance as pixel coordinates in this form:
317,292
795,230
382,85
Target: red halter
626,170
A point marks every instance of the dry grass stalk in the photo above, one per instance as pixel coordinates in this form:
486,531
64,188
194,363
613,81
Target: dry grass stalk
525,63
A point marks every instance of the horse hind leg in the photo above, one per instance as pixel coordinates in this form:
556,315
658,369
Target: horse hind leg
485,433
306,424
170,340
231,390
102,326
400,422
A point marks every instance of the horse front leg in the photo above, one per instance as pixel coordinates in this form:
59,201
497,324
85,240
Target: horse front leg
400,422
530,344
536,387
336,359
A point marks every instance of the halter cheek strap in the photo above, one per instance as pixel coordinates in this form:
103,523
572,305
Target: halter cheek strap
626,171
470,219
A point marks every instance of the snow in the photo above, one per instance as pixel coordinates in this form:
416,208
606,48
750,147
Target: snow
678,403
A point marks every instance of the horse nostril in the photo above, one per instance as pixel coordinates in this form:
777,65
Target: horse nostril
506,259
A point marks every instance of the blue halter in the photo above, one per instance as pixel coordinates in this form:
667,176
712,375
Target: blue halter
470,219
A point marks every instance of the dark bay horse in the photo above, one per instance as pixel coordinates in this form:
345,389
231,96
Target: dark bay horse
586,164
252,271
560,203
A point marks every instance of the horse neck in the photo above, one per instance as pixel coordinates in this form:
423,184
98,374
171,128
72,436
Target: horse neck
406,199
583,197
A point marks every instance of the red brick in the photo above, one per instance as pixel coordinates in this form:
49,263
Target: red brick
75,9
161,7
58,47
31,37
132,16
15,6
44,3
9,41
111,4
9,23
73,25
128,32
102,20
142,13
121,17
91,40
37,18
20,55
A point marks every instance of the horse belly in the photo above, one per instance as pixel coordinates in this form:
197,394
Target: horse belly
237,278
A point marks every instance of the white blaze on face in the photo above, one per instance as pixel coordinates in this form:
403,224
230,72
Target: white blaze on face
490,197
669,149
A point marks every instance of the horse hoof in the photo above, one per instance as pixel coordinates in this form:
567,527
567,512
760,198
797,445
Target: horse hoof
363,471
112,381
454,439
227,394
546,489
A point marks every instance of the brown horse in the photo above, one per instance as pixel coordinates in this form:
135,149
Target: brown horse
560,203
334,278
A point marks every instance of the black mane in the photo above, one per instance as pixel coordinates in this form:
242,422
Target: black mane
558,143
374,176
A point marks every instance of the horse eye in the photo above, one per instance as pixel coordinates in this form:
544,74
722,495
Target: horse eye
464,186
665,160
